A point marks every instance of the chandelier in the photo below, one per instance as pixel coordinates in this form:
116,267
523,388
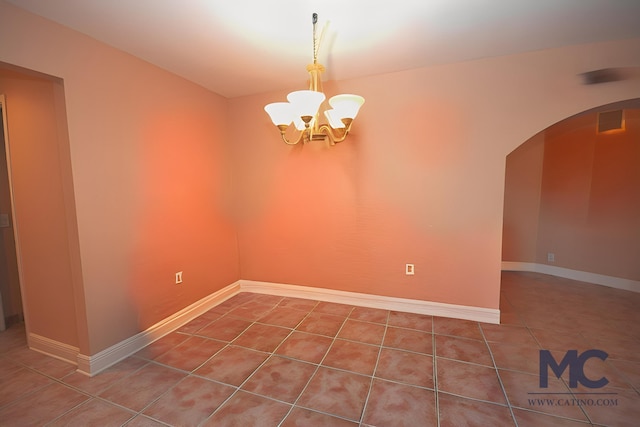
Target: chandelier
302,108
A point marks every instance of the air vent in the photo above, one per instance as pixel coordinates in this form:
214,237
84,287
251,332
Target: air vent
609,121
605,75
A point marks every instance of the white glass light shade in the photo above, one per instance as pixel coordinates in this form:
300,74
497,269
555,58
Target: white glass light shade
334,119
281,113
305,102
346,105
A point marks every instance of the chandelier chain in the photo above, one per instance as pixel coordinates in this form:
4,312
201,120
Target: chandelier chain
314,20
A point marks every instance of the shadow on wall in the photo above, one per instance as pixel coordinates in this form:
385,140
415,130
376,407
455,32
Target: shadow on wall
572,195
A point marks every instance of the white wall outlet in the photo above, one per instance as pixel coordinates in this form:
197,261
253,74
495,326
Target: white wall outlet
409,269
178,277
551,257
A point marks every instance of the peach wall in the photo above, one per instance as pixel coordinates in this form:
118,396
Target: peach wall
523,178
151,180
421,180
590,202
39,205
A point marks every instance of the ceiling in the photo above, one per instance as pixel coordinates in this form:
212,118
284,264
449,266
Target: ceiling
242,47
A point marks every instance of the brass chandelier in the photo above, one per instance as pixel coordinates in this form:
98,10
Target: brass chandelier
302,108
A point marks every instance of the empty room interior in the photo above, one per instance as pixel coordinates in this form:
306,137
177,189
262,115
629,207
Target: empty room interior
455,242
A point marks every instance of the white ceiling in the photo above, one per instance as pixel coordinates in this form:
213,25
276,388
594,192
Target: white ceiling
241,47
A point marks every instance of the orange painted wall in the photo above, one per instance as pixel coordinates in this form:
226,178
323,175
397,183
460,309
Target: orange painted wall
421,180
151,181
350,217
590,202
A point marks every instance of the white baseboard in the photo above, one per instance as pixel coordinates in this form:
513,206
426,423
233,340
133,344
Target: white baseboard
582,276
478,314
91,365
52,348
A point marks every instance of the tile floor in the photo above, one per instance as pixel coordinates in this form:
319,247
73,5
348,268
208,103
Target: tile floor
259,360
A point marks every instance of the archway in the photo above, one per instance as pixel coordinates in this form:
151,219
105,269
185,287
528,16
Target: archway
572,200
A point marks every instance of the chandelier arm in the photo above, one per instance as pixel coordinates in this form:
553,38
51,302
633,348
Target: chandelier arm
286,141
338,136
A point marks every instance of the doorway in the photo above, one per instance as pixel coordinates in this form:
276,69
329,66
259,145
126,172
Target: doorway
11,311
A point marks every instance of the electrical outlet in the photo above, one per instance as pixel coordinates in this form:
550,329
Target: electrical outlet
178,277
551,257
409,269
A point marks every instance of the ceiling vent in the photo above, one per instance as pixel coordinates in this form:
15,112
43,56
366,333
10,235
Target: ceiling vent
605,75
609,121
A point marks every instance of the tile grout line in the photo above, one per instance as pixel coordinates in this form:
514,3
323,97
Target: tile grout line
273,354
495,366
295,402
84,402
582,409
153,401
192,373
60,381
237,388
189,373
375,368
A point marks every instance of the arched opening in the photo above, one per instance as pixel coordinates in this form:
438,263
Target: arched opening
572,199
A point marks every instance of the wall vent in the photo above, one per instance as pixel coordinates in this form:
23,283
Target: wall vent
610,121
